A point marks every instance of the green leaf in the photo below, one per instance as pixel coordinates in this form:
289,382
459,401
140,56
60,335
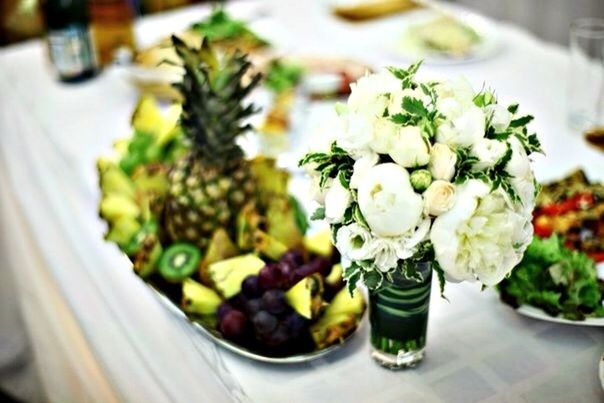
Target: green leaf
373,279
299,215
521,121
440,273
414,106
319,214
513,108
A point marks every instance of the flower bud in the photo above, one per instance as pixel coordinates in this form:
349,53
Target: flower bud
420,180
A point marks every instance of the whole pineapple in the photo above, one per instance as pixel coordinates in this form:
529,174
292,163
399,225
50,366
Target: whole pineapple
209,186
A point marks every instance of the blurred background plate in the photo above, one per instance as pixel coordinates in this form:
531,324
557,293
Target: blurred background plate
408,45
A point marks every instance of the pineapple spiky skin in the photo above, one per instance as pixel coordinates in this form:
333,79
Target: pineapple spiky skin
202,199
209,186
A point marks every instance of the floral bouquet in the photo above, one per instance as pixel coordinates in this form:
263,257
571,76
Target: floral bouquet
425,172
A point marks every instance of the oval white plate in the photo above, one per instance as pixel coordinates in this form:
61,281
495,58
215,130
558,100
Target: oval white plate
405,46
537,313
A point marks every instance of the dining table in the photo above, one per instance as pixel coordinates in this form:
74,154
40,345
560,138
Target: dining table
90,330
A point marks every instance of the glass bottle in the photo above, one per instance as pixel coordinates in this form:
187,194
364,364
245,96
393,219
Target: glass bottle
68,37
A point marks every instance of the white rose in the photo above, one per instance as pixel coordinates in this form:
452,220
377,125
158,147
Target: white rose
488,152
500,117
442,162
519,165
354,242
409,148
385,133
449,107
361,167
386,252
482,237
464,130
458,88
439,198
337,200
523,179
387,200
315,191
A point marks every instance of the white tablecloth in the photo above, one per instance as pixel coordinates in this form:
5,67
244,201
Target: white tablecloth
97,332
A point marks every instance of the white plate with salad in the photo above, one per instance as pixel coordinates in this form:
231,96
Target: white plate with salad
447,36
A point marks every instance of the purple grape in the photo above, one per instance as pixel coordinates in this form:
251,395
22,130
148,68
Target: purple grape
251,287
296,324
278,337
264,322
293,257
239,301
223,309
254,306
233,324
270,277
288,272
274,301
317,265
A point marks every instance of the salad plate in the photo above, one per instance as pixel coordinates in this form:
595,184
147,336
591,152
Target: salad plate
536,313
447,37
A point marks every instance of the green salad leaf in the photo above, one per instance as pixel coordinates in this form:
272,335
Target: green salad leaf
556,279
221,26
282,76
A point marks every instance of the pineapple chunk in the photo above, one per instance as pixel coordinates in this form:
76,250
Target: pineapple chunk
335,275
305,296
281,222
220,248
227,275
339,319
198,299
268,245
115,206
123,230
113,179
147,117
320,243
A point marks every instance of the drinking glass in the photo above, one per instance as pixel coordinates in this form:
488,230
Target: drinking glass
586,81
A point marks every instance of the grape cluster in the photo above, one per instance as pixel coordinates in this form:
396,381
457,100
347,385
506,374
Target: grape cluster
261,310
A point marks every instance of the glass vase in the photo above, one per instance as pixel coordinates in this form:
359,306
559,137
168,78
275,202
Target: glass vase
398,313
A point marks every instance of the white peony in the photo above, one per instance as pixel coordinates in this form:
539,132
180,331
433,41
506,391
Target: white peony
357,133
439,198
482,237
409,148
499,116
464,130
361,166
369,93
488,152
442,162
337,200
354,242
387,200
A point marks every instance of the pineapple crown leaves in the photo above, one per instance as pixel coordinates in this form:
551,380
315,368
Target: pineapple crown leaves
213,109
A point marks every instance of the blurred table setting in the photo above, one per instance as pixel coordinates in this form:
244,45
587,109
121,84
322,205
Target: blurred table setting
92,331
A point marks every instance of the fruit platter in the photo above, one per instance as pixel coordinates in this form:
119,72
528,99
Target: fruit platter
216,233
560,277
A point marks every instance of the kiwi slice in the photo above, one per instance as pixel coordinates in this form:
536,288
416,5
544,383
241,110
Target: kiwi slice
179,261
